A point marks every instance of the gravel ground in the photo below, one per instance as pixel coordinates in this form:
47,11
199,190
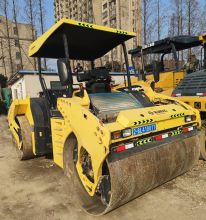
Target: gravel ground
38,189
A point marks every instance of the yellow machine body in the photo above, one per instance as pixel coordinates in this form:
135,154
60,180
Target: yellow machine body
167,83
124,143
96,136
168,80
20,107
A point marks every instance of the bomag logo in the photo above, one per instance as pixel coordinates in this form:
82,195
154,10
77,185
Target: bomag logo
162,111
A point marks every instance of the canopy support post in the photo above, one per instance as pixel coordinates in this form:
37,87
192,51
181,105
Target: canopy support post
92,64
175,56
43,84
127,66
162,61
66,51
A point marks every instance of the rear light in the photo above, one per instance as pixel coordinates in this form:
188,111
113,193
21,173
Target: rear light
158,138
121,134
190,118
161,136
201,93
127,132
124,147
120,148
176,94
116,135
185,130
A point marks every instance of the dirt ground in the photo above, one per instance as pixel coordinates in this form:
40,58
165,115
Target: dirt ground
38,189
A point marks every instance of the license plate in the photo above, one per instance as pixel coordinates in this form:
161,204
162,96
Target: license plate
144,129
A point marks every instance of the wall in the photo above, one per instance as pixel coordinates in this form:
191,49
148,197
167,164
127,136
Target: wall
29,85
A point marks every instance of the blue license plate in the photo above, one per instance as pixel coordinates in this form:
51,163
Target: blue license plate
144,129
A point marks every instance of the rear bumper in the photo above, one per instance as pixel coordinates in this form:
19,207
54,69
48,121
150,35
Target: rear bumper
113,156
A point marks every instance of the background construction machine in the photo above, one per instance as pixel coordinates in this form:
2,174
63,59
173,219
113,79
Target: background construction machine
113,146
187,84
164,78
192,90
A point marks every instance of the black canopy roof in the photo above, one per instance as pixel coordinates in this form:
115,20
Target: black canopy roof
85,41
164,46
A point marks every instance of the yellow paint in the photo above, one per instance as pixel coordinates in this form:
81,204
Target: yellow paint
20,107
168,81
202,37
36,45
190,100
94,136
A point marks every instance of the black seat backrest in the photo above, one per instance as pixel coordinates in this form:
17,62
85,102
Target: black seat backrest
99,88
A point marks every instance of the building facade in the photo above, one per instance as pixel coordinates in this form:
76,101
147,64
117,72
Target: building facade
15,40
119,14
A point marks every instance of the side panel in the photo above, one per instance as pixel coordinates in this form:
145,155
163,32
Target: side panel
168,80
42,127
59,135
91,135
37,113
197,102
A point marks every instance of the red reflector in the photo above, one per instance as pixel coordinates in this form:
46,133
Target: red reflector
173,95
120,148
158,138
204,93
185,130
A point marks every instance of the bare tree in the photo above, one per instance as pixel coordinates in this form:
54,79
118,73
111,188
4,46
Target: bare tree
203,19
160,18
192,18
147,20
31,13
2,56
5,11
171,31
17,32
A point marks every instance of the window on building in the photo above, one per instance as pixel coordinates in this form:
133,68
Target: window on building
16,43
18,55
106,58
18,67
104,15
105,23
104,6
15,30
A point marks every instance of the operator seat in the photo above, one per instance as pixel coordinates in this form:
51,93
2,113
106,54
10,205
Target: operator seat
97,80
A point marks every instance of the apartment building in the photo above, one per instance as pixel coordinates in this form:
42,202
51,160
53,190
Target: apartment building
118,14
14,43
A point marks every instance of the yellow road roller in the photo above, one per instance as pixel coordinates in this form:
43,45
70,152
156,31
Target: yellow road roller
157,71
113,146
192,90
